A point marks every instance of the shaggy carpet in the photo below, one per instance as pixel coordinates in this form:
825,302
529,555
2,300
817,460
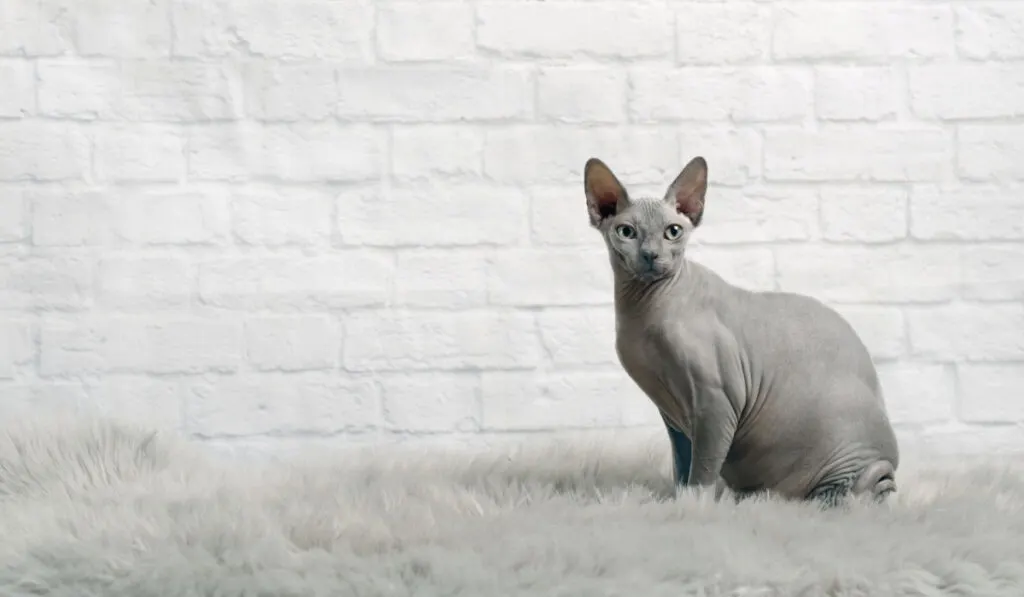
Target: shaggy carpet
94,509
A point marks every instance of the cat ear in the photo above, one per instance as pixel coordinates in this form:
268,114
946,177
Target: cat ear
605,195
687,191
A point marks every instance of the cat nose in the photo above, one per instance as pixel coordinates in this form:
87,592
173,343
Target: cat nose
649,257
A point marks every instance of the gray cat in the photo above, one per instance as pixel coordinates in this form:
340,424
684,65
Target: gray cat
769,391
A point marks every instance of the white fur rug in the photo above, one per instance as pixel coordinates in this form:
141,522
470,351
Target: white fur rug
96,509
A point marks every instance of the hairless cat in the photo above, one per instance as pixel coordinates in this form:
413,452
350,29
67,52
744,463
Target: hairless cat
768,391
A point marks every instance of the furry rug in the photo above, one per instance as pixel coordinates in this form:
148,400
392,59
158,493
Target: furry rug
96,509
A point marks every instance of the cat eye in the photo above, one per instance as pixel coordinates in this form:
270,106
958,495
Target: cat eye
673,232
626,231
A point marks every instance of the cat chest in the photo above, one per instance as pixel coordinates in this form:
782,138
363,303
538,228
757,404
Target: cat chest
661,377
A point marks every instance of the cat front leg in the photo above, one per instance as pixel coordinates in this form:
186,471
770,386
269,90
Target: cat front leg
682,453
713,431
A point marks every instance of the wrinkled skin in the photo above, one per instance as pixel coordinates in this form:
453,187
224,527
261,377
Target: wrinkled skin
769,391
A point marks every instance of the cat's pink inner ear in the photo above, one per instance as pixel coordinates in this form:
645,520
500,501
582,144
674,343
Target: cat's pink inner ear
607,201
603,191
690,202
690,188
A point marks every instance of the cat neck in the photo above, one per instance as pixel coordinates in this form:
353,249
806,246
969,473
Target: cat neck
633,297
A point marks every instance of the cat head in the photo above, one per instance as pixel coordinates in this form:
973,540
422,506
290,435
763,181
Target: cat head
646,237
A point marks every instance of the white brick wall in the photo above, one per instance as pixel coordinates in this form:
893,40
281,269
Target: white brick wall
267,220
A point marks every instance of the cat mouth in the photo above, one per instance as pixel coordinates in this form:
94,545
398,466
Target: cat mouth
651,274
648,274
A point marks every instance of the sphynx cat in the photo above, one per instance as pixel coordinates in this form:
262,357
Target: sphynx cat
769,391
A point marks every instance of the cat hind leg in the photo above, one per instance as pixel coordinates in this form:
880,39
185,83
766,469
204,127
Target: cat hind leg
877,481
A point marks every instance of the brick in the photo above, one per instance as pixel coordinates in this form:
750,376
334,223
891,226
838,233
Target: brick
157,404
749,268
338,32
636,155
17,79
132,282
860,31
883,273
414,341
70,218
968,332
284,92
581,94
946,91
145,153
578,335
201,28
992,272
235,152
760,214
722,33
863,214
514,401
46,282
295,153
115,29
612,30
747,94
15,212
268,216
17,346
292,343
33,29
179,91
990,31
432,402
558,216
39,151
862,153
975,212
991,152
139,90
918,393
30,399
990,393
450,278
857,92
733,154
346,279
77,89
307,403
411,94
972,441
171,217
882,329
420,32
141,344
432,215
540,277
429,150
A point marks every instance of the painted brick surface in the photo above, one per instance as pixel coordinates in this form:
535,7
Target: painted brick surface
270,221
